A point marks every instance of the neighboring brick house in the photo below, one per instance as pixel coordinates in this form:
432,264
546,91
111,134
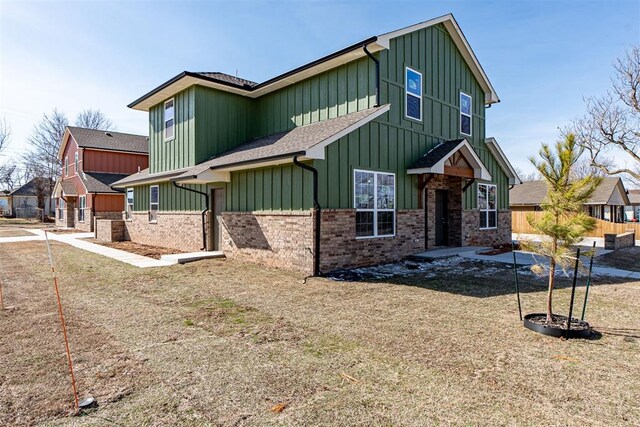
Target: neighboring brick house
92,160
385,137
28,200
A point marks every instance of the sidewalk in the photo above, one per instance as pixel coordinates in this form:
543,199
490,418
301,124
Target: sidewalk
75,240
527,258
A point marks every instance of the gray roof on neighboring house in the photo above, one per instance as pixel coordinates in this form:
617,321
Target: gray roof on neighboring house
68,187
289,143
109,140
532,193
634,197
436,154
98,182
29,189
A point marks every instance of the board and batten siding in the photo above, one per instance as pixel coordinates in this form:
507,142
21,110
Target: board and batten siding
180,151
392,143
171,198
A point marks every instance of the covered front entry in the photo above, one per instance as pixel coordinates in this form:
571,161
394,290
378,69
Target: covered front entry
445,173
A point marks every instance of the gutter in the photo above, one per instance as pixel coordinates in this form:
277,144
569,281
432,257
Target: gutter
261,160
377,62
203,213
317,211
248,88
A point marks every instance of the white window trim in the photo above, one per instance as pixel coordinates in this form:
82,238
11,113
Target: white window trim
406,93
487,210
464,114
164,121
61,209
151,204
375,209
129,214
84,218
66,166
76,162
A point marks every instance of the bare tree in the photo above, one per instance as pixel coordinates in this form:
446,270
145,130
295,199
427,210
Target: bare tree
610,131
45,143
93,119
5,134
530,176
583,168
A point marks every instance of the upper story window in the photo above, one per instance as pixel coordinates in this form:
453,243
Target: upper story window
76,163
169,120
374,201
66,166
487,196
413,94
465,114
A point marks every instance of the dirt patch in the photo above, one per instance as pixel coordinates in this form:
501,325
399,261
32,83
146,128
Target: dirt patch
137,248
625,259
219,342
13,232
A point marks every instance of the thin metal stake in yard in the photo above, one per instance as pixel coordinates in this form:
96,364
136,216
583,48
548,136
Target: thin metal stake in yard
64,327
515,273
573,292
586,293
1,298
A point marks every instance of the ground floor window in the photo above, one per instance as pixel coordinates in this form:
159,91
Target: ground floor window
374,201
129,204
61,208
82,205
154,202
487,197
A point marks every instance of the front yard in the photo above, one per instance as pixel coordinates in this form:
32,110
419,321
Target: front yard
225,343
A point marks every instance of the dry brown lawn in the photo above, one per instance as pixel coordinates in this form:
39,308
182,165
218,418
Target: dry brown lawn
154,252
219,342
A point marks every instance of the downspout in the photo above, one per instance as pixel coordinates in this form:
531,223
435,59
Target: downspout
377,62
317,211
203,213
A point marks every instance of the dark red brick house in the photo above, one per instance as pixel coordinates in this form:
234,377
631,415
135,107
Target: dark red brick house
92,160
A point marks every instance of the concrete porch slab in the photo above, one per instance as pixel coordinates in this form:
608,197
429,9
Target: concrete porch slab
191,256
447,252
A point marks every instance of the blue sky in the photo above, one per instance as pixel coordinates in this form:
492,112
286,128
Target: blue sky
542,57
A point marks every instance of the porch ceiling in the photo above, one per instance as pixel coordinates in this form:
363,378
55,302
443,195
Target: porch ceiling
435,161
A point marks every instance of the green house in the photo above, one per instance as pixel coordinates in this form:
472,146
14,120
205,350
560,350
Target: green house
364,156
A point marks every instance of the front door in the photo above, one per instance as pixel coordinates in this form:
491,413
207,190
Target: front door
218,200
442,218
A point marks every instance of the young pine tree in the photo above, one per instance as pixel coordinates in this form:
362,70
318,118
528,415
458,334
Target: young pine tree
563,220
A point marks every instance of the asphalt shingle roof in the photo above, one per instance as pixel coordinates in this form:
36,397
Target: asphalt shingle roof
436,154
98,182
109,140
634,197
29,189
228,78
532,193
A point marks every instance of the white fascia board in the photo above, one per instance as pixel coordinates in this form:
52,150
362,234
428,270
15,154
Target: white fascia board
491,97
206,177
479,169
65,141
318,150
148,179
503,161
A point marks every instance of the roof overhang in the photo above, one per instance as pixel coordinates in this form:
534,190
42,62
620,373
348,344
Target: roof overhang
351,53
449,22
480,171
503,161
144,177
187,78
65,140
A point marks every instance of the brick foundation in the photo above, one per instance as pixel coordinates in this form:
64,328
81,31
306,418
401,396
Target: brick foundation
274,239
108,230
473,236
339,247
176,230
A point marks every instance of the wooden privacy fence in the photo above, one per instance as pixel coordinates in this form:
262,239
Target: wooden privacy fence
519,224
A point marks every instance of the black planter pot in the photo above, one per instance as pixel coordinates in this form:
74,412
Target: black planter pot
583,331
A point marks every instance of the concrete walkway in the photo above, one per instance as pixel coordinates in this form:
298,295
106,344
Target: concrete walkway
75,240
527,258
